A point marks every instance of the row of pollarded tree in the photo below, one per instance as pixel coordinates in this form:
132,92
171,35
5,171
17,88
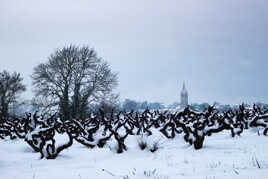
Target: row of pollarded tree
97,130
72,79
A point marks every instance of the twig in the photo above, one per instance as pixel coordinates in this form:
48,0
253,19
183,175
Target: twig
108,172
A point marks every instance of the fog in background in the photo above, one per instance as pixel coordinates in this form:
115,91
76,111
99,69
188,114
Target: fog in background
219,48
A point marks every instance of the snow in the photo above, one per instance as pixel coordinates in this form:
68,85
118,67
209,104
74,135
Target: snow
36,131
222,157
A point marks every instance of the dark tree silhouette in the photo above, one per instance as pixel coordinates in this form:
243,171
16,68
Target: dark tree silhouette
73,78
10,88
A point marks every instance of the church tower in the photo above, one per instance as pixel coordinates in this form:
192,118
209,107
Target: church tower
184,97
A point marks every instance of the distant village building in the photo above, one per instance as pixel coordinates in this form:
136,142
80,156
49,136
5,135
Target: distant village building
184,97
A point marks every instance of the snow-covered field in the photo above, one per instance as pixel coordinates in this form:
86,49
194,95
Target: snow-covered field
244,157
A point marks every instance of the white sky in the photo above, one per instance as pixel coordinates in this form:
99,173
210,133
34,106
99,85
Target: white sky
219,47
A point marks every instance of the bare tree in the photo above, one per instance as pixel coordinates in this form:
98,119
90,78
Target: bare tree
10,87
72,79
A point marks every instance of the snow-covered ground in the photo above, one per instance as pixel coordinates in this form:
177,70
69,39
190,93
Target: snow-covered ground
244,157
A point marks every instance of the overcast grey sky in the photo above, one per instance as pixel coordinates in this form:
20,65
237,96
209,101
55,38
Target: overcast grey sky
219,47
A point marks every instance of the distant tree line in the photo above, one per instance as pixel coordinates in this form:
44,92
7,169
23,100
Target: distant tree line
129,105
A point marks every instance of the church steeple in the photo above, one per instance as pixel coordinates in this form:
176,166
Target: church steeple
184,96
183,87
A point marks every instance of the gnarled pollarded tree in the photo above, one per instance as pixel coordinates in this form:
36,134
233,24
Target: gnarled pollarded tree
72,79
10,88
